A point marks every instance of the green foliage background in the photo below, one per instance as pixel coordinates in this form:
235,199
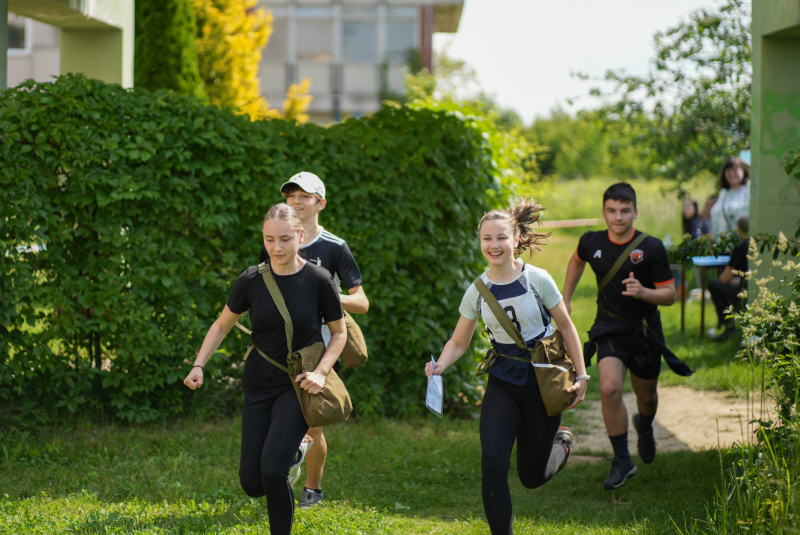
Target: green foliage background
150,204
165,55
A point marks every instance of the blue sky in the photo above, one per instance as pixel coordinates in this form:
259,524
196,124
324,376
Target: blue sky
524,50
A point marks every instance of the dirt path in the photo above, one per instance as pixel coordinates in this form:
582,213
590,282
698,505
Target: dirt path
687,419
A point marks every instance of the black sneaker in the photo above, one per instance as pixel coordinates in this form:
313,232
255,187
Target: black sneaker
621,470
564,435
309,498
646,443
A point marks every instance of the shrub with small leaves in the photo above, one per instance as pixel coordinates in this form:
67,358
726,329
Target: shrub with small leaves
149,206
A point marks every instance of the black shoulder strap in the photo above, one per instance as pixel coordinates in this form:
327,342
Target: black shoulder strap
499,313
621,260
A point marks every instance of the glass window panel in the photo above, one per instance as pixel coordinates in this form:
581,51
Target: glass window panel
402,11
360,41
314,11
360,79
277,11
278,45
395,76
273,81
399,40
319,74
315,40
16,32
360,11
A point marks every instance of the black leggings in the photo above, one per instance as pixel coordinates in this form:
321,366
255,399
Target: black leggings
272,429
515,412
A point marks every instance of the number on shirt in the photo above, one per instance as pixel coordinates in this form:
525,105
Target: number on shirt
513,317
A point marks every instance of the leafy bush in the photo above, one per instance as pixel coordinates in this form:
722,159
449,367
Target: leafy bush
149,205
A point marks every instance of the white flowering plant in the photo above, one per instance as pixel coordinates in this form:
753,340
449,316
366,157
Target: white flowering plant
770,325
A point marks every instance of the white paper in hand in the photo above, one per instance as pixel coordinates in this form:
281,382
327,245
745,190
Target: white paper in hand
435,395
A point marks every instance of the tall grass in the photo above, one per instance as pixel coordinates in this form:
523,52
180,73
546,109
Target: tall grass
659,206
760,491
760,488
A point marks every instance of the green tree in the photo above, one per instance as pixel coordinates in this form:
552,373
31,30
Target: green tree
586,145
453,87
694,105
165,53
231,35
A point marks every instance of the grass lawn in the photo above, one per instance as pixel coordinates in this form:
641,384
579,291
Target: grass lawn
388,477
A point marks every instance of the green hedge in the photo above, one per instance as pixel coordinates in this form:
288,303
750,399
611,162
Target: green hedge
150,206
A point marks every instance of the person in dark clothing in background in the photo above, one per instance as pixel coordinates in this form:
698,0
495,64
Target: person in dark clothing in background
693,224
726,289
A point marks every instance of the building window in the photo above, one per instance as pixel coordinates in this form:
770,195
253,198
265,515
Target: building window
400,40
19,34
360,41
278,45
360,11
314,40
403,11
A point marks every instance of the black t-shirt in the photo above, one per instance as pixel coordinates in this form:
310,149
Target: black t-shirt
648,262
311,298
332,253
738,259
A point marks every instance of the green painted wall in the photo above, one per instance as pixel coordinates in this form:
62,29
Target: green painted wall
775,198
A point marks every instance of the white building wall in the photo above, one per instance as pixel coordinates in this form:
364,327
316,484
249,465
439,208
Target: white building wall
39,58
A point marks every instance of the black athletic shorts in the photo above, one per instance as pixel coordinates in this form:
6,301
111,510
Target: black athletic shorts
635,352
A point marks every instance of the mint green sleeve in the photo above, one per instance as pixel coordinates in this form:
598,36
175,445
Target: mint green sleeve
469,303
547,288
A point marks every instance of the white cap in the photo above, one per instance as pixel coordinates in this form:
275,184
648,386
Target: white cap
308,182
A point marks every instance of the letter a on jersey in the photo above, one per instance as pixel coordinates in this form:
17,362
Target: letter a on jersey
598,253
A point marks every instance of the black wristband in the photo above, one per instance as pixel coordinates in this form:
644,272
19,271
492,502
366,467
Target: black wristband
198,366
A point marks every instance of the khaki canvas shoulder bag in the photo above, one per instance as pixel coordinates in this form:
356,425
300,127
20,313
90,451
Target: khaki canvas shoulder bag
332,405
354,353
552,365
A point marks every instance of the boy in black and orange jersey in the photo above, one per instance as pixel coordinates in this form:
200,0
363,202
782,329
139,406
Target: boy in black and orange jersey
627,332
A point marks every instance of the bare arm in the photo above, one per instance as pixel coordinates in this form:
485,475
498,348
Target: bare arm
455,347
574,350
574,273
663,295
727,275
314,381
356,302
214,337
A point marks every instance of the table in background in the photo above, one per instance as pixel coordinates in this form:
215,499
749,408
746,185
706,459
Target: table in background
703,262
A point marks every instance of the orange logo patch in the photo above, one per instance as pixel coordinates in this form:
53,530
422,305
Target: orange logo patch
637,256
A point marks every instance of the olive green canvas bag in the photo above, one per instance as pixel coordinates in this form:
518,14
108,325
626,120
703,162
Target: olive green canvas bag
354,353
552,365
332,405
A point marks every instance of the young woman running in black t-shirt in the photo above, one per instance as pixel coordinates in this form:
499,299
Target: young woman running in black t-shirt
512,407
272,421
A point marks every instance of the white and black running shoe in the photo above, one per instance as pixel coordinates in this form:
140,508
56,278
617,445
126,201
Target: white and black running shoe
310,498
296,468
621,470
564,435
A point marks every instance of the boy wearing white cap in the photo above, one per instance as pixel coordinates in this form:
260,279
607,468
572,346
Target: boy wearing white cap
305,192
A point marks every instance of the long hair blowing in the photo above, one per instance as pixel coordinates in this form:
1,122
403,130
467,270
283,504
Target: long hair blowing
522,217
